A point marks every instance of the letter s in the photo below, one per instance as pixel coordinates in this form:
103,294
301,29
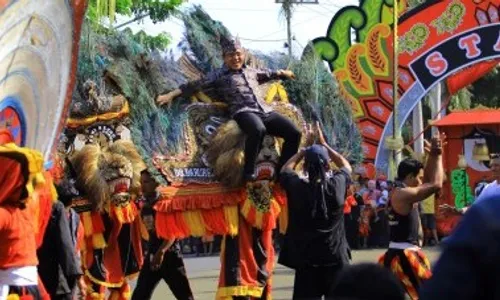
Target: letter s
436,64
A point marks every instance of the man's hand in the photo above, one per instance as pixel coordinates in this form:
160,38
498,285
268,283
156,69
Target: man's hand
286,73
448,210
435,146
310,135
321,138
157,260
164,99
82,286
167,98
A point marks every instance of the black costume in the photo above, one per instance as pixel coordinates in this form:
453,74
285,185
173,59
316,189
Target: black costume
315,244
172,269
59,266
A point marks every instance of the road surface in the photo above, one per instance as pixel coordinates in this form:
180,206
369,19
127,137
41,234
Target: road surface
203,273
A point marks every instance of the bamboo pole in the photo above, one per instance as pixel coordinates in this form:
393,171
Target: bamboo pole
395,131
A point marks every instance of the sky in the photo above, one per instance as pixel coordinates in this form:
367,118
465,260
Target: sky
256,22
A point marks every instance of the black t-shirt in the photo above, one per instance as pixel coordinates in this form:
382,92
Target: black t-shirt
404,228
310,240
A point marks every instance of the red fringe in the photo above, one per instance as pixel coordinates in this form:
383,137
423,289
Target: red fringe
193,197
171,226
280,195
97,223
181,224
215,221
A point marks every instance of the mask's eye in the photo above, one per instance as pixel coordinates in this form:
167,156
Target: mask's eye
210,129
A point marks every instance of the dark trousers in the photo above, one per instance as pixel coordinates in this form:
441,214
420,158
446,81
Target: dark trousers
172,271
351,225
257,125
313,283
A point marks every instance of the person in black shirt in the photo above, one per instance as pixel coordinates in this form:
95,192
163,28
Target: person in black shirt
237,84
164,258
59,266
414,184
315,244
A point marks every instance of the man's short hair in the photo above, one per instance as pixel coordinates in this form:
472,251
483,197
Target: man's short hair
409,166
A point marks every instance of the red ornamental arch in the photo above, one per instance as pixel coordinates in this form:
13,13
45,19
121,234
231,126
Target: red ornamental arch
455,41
462,44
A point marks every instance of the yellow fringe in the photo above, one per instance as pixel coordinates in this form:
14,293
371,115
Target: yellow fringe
231,215
98,241
283,219
126,214
194,220
53,192
245,209
105,284
252,291
258,218
35,164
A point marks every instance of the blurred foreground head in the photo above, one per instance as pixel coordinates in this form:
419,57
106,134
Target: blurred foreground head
367,282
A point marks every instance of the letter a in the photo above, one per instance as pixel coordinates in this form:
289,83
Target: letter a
436,64
469,44
497,44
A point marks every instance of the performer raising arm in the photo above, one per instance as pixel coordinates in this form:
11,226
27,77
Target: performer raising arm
414,184
236,83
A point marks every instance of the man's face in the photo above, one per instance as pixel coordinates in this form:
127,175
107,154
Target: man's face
495,168
414,181
148,184
234,60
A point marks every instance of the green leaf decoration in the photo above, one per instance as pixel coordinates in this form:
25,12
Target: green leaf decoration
460,188
373,11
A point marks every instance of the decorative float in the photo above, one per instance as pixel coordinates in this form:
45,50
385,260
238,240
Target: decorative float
191,147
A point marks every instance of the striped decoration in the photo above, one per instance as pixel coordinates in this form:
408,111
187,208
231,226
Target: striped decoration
37,63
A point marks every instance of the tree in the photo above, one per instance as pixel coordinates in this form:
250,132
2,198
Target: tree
461,100
157,10
150,43
486,90
316,92
101,11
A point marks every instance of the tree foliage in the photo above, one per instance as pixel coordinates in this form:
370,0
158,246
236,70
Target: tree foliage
100,12
157,10
486,91
159,42
316,92
461,100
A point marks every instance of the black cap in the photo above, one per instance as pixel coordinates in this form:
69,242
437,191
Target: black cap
229,45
